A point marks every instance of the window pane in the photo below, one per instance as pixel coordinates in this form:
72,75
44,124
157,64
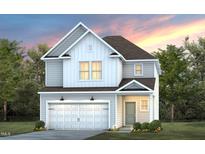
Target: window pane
96,66
84,66
84,75
96,70
144,105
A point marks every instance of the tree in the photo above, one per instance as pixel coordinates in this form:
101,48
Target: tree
36,67
196,57
10,63
174,76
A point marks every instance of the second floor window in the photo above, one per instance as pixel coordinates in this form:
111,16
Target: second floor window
138,70
91,70
96,70
84,71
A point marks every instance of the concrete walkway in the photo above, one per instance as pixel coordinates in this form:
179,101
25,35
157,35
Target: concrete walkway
55,135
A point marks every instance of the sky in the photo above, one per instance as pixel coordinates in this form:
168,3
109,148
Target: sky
149,32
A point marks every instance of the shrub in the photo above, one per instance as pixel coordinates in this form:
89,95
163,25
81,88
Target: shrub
137,126
39,124
155,125
145,126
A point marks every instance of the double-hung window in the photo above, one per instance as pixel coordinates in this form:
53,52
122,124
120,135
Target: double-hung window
138,70
84,71
91,70
96,70
144,105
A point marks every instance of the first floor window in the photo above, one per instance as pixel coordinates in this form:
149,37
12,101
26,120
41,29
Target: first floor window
84,71
144,105
96,70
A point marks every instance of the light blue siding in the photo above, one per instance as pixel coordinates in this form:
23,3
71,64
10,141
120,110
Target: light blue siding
54,73
99,52
148,70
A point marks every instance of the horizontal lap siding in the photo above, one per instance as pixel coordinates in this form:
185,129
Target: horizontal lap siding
141,116
128,69
46,97
54,73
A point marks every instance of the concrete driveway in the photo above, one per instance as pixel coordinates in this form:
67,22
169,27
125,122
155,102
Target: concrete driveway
55,135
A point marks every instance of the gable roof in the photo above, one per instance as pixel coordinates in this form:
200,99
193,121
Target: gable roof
129,50
66,41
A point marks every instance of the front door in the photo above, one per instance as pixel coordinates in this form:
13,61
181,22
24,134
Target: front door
130,113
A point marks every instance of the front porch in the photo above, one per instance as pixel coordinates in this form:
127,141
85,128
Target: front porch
134,108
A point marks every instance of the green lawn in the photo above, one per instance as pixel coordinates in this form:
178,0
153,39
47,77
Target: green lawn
171,131
16,127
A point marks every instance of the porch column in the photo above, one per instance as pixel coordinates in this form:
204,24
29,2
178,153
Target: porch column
116,125
151,108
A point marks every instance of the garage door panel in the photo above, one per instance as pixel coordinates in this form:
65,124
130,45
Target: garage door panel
78,116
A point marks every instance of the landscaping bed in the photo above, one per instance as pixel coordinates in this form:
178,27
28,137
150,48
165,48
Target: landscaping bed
171,131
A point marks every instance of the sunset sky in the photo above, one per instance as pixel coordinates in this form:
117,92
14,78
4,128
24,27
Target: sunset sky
150,32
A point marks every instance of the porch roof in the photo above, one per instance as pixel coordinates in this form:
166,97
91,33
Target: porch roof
149,82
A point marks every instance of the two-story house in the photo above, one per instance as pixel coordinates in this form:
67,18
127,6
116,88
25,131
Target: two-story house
98,83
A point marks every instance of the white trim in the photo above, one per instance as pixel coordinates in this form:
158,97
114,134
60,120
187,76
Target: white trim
136,83
89,30
141,69
43,57
142,60
78,102
46,76
95,92
116,124
78,40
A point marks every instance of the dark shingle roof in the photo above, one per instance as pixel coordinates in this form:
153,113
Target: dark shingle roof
126,48
149,82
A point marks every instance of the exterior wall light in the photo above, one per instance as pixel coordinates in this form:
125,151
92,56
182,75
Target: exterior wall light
61,99
92,99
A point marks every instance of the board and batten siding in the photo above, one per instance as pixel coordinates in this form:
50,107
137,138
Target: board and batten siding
51,97
54,73
148,69
99,52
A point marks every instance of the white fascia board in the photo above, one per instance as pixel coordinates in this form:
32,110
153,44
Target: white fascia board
97,92
43,57
134,81
142,60
80,38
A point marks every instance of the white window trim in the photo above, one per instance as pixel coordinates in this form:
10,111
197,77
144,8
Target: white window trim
135,69
92,70
141,110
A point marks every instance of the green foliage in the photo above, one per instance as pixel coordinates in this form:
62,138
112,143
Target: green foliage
21,78
154,125
137,125
145,125
40,124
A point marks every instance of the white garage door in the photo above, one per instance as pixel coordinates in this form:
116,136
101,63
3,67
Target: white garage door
78,116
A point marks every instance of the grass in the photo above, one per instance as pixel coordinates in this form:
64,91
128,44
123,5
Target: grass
13,128
171,131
